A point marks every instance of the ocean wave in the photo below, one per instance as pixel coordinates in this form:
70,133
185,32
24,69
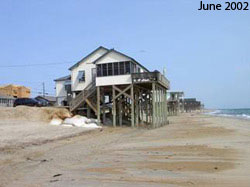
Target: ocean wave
224,114
214,112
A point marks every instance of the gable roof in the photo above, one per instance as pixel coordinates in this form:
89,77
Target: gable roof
75,65
68,77
113,50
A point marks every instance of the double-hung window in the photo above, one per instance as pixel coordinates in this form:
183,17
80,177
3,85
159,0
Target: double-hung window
99,70
127,67
81,76
116,68
122,68
110,69
104,70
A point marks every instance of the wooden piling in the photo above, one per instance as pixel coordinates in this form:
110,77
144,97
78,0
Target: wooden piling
132,106
98,105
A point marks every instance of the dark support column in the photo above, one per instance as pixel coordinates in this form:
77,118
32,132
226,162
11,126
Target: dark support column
136,108
163,106
103,116
120,110
98,105
114,107
147,108
142,106
132,106
160,117
166,105
162,120
88,111
154,107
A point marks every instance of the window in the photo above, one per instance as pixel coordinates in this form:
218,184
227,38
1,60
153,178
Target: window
81,76
139,70
110,69
67,88
99,70
116,68
132,67
122,68
104,69
127,67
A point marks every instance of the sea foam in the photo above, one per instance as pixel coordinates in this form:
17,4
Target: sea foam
233,113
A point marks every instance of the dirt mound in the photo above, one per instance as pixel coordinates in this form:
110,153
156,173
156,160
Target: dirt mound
33,113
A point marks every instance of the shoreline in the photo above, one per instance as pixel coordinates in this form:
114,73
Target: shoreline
219,113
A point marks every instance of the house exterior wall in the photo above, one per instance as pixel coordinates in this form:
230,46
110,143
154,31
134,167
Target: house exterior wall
61,93
6,102
60,89
86,66
113,80
113,57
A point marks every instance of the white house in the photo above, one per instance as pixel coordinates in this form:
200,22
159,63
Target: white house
105,72
63,89
84,71
103,66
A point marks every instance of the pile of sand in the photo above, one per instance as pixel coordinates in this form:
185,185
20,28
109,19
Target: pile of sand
44,114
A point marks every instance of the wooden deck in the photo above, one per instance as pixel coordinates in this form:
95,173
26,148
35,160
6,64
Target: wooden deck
150,77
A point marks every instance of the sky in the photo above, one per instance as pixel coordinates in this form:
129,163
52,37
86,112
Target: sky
206,53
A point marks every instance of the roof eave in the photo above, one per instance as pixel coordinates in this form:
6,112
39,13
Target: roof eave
76,65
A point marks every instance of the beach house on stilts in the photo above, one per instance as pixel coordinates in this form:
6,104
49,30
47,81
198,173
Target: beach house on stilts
118,90
175,101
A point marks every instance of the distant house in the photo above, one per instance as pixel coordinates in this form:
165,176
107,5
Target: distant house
191,104
6,101
48,99
15,91
175,102
63,90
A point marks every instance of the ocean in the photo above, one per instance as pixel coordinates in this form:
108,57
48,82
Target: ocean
243,113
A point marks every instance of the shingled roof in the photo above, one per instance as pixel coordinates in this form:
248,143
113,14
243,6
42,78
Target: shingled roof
68,77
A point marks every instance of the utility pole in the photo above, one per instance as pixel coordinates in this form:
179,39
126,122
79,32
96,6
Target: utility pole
43,89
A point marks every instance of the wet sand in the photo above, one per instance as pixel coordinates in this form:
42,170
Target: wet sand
194,150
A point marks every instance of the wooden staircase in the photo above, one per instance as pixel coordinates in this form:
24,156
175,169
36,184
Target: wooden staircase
88,95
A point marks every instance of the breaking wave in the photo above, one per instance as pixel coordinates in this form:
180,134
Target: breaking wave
233,113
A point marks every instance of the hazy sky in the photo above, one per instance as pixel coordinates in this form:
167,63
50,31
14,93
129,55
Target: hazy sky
206,54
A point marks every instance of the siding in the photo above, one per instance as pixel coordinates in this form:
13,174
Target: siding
86,66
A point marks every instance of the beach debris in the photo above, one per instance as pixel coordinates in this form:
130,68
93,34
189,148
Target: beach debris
57,175
56,121
77,121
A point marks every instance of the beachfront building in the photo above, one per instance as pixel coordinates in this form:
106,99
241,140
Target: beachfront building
119,90
63,90
191,104
175,101
6,101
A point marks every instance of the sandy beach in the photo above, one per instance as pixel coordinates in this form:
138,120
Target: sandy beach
194,150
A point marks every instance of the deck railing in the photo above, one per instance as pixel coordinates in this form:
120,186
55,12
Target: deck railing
150,77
